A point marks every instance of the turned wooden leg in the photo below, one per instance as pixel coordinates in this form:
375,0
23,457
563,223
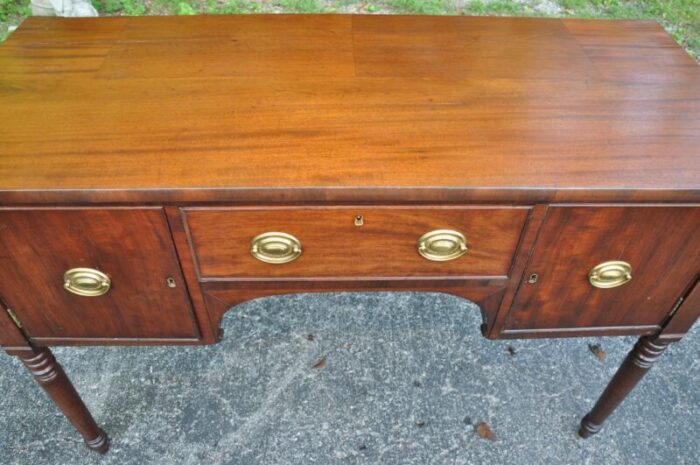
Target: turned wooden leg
646,351
50,375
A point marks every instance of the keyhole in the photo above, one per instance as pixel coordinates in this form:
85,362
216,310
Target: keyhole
532,279
359,220
171,282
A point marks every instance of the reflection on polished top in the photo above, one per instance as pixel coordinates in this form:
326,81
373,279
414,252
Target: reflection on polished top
499,108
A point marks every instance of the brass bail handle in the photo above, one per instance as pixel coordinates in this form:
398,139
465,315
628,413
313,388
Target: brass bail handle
275,247
442,245
86,282
610,274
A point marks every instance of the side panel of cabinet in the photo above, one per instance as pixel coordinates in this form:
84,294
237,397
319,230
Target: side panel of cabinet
661,243
147,300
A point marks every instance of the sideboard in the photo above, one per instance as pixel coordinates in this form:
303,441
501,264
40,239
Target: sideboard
155,172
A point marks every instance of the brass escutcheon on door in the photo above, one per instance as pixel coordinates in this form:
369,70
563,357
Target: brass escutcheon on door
610,274
86,282
442,245
275,247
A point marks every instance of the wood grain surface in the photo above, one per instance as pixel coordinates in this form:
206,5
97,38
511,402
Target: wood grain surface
337,107
660,243
334,247
131,245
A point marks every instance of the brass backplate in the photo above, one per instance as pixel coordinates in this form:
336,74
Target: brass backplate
86,282
275,247
610,274
442,245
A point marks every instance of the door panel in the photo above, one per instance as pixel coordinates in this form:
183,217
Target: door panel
132,247
661,243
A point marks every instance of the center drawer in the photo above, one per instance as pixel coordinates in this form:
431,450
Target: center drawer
282,242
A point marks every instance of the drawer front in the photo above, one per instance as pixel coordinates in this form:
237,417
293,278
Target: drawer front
354,241
146,296
660,244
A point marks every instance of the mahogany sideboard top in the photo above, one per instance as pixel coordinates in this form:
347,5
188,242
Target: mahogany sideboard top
286,108
156,172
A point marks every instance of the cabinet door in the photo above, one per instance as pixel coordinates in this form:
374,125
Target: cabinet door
146,299
660,243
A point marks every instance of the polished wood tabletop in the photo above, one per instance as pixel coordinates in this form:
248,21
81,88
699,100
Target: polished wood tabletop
334,107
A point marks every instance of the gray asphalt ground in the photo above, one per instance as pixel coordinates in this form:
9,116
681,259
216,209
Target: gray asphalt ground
407,378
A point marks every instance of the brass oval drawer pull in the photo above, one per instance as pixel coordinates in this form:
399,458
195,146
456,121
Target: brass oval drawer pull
275,248
86,282
442,245
610,274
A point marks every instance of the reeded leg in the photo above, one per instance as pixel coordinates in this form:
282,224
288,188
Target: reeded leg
51,377
646,351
